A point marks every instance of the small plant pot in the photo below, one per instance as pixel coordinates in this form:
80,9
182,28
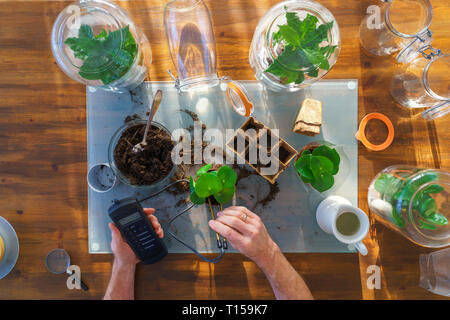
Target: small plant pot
344,166
118,168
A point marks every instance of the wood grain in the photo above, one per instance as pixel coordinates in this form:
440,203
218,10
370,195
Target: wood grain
43,160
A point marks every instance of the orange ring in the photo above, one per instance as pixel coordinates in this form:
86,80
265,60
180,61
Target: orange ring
247,104
360,135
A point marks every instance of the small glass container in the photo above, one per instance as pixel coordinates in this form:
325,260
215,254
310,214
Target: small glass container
265,50
112,145
390,26
95,42
414,202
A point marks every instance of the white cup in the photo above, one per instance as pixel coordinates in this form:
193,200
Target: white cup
327,214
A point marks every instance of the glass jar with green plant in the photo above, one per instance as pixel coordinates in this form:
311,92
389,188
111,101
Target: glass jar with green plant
295,44
96,43
317,165
216,187
414,202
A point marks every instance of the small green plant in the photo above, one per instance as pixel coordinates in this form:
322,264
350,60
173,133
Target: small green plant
106,56
400,191
303,51
220,184
318,167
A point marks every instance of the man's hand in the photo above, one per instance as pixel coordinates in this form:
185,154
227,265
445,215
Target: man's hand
246,233
123,254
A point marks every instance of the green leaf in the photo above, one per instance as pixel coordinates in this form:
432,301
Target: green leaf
196,199
433,188
102,35
398,219
317,59
305,152
104,56
320,164
300,77
323,181
437,218
303,167
293,21
203,170
314,72
207,184
385,182
330,154
426,225
227,176
85,31
290,35
225,195
428,207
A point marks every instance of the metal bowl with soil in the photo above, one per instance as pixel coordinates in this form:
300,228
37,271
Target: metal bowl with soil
151,167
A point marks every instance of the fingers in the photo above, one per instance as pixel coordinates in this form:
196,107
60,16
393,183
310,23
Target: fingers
114,231
236,223
225,231
156,225
154,221
239,212
149,211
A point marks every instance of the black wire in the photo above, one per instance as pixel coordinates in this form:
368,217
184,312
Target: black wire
189,207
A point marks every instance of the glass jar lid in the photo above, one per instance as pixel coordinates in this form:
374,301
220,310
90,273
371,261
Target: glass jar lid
437,77
408,18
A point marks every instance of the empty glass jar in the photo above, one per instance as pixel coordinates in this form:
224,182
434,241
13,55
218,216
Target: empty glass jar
424,83
95,42
413,201
391,25
283,65
191,43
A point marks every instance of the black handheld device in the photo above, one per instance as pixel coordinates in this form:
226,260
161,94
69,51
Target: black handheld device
134,226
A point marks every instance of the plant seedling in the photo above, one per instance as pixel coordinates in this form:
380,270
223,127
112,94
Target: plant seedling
104,56
303,49
219,184
318,167
423,203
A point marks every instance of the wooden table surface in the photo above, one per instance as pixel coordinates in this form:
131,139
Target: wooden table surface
43,189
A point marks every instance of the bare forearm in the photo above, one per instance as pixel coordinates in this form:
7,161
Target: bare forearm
286,283
121,284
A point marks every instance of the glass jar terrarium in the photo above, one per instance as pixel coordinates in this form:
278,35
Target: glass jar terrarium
295,44
414,202
95,42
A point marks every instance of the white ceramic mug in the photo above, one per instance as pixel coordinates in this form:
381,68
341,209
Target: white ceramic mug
327,214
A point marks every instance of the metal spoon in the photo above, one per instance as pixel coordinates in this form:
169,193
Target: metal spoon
154,107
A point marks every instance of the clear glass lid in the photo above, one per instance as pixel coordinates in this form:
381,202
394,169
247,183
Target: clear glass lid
191,43
437,77
409,18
